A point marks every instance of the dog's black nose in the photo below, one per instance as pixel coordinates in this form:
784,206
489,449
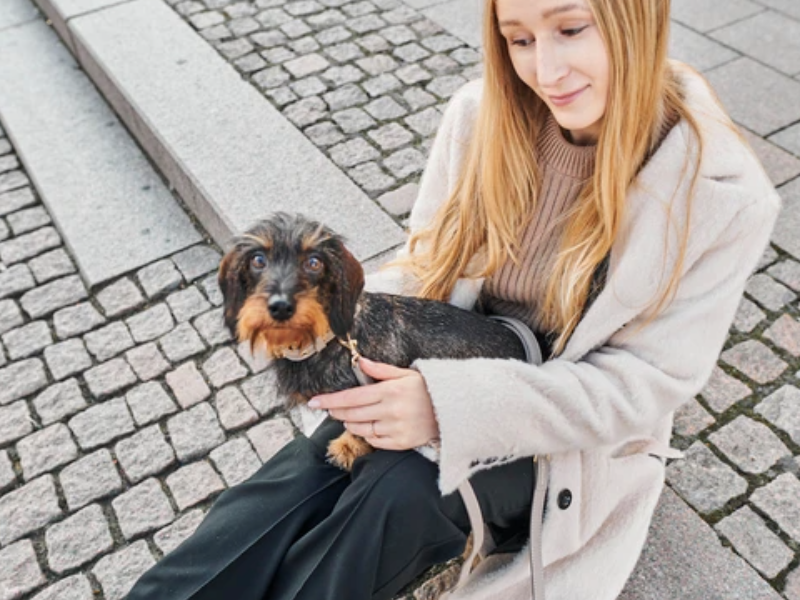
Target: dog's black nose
280,309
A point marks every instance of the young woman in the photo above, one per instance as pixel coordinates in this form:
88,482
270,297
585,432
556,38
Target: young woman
594,190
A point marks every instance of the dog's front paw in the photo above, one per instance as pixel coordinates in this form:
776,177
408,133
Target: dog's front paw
344,450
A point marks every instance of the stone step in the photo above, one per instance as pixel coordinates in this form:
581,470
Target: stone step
231,156
112,208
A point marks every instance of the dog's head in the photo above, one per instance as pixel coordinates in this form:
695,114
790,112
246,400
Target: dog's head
288,281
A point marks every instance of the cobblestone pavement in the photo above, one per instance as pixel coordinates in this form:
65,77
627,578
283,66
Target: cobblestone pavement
125,411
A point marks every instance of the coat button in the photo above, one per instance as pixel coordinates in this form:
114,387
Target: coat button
564,499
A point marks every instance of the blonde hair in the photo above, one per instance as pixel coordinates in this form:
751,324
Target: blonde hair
501,176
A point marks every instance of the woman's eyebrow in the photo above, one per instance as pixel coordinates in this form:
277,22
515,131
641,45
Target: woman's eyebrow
550,12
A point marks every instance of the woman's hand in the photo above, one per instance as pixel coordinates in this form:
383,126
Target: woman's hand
395,413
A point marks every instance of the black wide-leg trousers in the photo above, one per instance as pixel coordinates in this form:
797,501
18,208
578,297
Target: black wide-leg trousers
302,529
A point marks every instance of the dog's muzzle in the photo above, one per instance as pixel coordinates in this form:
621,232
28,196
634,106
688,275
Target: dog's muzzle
280,307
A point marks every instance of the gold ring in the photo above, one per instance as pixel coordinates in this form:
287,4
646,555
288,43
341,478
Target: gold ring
373,430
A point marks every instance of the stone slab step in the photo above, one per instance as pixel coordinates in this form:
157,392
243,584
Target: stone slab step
231,156
684,560
112,207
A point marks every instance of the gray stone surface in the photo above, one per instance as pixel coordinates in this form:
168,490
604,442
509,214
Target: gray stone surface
146,361
45,450
29,245
194,432
24,221
750,445
691,419
785,333
51,266
112,376
67,358
149,402
102,423
20,379
769,293
14,280
120,297
89,479
778,500
76,320
683,559
150,324
212,327
181,343
19,570
194,483
704,15
774,27
17,12
58,401
27,509
697,50
262,393
54,295
703,480
188,385
16,199
106,177
172,535
785,233
781,166
782,409
15,422
27,340
76,587
755,360
78,539
788,272
10,316
224,367
755,542
270,436
159,277
748,316
108,341
236,460
119,571
7,475
144,454
187,304
233,409
244,124
142,508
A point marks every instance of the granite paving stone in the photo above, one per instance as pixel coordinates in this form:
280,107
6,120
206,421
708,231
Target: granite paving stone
785,234
173,535
45,450
27,340
194,483
76,587
15,422
405,162
250,63
78,539
14,280
27,220
342,53
67,358
324,134
381,84
29,245
400,201
235,460
691,419
188,385
120,297
233,409
4,231
212,327
703,480
785,333
13,181
19,570
778,500
76,320
704,15
262,392
792,589
750,445
206,19
49,297
788,139
769,256
10,316
159,277
755,360
769,293
763,107
781,166
425,122
20,379
411,52
342,97
782,409
91,478
270,436
7,475
181,343
413,73
59,401
27,509
187,304
102,423
787,272
5,146
234,48
119,571
196,261
151,323
210,287
144,454
748,316
371,177
109,377
755,542
195,432
142,508
353,120
51,265
349,154
146,361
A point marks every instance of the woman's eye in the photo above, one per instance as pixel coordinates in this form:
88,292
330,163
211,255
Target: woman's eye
313,264
573,31
258,261
522,42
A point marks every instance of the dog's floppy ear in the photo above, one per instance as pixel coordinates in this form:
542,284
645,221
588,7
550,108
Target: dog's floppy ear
233,285
350,277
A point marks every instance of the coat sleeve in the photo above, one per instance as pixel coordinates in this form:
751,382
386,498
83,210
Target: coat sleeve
437,183
493,411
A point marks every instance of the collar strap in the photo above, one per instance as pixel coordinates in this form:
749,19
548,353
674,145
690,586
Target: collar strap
355,356
309,350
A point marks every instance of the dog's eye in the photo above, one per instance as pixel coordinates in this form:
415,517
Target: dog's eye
258,261
313,264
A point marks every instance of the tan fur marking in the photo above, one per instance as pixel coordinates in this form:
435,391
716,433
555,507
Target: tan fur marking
344,450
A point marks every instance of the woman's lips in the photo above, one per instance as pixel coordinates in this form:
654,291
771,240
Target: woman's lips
568,98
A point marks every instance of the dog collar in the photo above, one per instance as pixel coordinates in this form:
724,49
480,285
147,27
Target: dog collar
300,354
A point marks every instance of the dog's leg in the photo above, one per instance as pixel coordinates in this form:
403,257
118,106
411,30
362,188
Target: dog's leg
344,450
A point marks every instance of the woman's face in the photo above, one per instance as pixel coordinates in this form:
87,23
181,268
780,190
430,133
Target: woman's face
556,49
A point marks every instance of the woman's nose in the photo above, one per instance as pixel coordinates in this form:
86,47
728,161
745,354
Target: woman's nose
551,67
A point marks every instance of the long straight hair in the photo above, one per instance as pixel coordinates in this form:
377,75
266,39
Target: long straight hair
500,180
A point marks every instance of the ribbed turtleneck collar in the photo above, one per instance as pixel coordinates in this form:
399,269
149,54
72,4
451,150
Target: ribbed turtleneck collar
564,156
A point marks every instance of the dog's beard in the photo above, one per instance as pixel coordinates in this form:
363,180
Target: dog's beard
256,325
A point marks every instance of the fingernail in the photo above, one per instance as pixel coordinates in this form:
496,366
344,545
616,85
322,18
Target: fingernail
313,403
